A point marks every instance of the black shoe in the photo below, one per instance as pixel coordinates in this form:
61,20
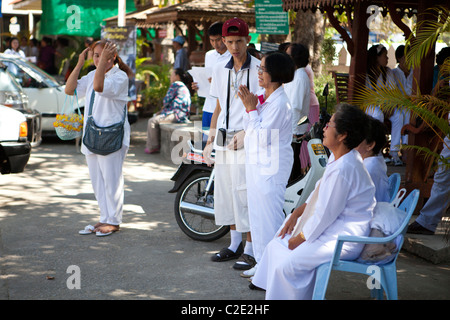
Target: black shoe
226,254
253,287
245,262
416,228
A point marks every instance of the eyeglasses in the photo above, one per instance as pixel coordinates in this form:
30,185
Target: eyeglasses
328,125
261,69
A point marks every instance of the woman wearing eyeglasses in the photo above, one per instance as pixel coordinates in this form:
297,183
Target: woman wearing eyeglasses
269,155
341,204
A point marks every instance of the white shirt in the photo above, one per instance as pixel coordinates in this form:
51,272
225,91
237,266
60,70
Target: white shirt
299,92
108,105
402,80
345,202
376,166
212,58
219,85
19,53
268,136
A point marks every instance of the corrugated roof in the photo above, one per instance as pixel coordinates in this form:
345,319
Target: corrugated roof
203,10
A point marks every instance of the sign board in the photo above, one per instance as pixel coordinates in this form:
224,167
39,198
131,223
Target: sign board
82,18
270,17
125,39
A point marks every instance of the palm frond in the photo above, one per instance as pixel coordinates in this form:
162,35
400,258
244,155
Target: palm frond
430,109
425,34
429,154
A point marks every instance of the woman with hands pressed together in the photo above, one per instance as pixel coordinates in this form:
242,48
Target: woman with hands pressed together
107,88
267,144
341,204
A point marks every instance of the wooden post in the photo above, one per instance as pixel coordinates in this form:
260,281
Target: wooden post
360,36
417,173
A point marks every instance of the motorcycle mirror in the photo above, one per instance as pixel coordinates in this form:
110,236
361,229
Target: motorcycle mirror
303,120
325,91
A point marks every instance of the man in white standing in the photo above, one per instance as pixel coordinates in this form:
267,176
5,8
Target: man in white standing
217,55
230,192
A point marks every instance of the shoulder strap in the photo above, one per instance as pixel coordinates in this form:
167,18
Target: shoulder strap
228,101
91,104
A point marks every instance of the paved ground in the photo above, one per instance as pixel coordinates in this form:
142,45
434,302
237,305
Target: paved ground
42,209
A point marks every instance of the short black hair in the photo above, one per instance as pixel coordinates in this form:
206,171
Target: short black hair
215,29
300,54
442,55
280,67
352,121
399,52
376,133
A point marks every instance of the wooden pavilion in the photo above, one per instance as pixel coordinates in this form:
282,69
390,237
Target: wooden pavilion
418,171
199,15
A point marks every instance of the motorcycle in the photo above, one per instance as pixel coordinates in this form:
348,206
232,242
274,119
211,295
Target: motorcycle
194,200
194,185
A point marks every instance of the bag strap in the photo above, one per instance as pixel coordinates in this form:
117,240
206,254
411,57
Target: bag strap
228,95
71,99
92,103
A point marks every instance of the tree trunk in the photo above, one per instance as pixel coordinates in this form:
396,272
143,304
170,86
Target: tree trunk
309,30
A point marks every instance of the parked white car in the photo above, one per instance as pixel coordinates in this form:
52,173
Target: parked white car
13,96
15,148
45,94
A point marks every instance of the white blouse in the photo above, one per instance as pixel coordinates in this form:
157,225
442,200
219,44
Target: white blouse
268,136
108,105
345,202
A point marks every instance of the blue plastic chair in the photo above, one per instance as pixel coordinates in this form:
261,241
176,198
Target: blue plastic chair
388,271
394,184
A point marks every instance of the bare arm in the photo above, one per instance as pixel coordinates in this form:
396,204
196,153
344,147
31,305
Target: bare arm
71,83
106,57
213,126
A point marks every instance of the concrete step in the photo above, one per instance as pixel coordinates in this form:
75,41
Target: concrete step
434,248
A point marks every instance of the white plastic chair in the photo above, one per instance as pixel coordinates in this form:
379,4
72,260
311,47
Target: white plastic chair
394,184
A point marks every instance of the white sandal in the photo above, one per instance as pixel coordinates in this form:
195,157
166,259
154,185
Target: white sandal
87,230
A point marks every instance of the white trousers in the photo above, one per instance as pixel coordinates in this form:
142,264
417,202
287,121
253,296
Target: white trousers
375,112
108,184
398,120
230,190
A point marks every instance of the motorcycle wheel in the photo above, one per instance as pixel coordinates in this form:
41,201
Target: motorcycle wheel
196,226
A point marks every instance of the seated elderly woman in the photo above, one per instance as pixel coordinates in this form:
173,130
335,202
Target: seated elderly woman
176,108
370,150
341,204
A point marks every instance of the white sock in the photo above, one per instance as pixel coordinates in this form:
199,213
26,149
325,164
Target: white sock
248,249
236,239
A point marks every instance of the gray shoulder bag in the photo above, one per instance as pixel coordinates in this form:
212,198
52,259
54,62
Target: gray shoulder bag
103,140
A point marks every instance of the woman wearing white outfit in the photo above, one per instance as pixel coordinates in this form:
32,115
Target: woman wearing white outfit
299,94
269,155
378,75
109,84
342,203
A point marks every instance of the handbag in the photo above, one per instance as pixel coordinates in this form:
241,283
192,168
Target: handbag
103,140
387,218
68,124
